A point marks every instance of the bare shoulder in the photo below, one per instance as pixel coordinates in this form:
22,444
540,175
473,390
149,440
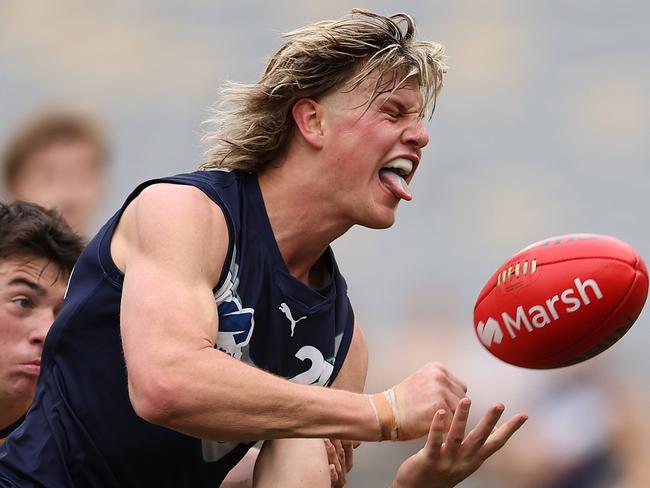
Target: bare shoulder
165,203
353,373
171,222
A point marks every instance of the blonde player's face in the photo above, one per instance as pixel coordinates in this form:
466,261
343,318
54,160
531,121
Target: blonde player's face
67,176
31,293
362,140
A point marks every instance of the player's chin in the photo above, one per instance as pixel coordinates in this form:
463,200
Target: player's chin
382,219
24,387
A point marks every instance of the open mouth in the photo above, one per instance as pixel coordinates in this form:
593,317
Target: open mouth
393,175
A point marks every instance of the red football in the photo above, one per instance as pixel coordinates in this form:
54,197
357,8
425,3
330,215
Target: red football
561,301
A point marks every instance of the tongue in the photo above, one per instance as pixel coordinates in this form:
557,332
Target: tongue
395,184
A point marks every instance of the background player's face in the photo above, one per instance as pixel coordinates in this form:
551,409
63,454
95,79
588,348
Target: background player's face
66,176
362,140
30,297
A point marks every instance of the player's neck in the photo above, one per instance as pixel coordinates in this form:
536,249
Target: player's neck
302,227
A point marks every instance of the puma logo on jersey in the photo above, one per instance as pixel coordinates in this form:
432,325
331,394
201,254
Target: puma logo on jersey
284,308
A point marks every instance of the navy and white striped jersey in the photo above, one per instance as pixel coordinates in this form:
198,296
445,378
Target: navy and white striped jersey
82,431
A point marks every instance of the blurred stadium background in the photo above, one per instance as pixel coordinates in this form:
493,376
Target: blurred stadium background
542,129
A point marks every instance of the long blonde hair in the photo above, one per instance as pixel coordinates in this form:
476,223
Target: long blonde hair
253,123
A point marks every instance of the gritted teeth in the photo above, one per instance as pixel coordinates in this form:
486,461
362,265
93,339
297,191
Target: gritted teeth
401,166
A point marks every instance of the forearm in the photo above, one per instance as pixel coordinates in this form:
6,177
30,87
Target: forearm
293,463
214,396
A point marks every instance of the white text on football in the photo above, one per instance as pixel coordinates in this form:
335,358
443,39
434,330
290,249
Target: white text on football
538,316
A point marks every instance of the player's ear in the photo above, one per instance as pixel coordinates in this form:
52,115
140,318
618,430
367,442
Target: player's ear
307,115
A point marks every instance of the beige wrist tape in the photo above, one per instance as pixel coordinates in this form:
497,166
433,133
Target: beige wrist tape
385,407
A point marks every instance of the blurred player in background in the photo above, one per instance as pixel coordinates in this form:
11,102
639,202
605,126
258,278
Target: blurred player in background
58,159
193,306
590,427
37,253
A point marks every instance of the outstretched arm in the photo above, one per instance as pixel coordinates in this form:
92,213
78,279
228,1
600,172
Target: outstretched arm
171,244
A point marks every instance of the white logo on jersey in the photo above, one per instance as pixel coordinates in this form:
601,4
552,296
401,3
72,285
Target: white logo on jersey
284,308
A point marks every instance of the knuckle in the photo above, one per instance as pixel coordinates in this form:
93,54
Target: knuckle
442,379
437,366
444,371
439,376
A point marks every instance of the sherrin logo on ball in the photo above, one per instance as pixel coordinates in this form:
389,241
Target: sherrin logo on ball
561,301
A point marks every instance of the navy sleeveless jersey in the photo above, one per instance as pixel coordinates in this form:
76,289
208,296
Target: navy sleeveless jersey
82,431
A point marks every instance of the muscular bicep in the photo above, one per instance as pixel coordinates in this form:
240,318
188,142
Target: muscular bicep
352,376
173,244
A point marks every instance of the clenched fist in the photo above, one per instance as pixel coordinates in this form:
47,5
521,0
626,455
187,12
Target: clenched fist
421,395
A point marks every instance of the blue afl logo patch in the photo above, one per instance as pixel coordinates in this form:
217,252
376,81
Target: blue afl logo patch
236,326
